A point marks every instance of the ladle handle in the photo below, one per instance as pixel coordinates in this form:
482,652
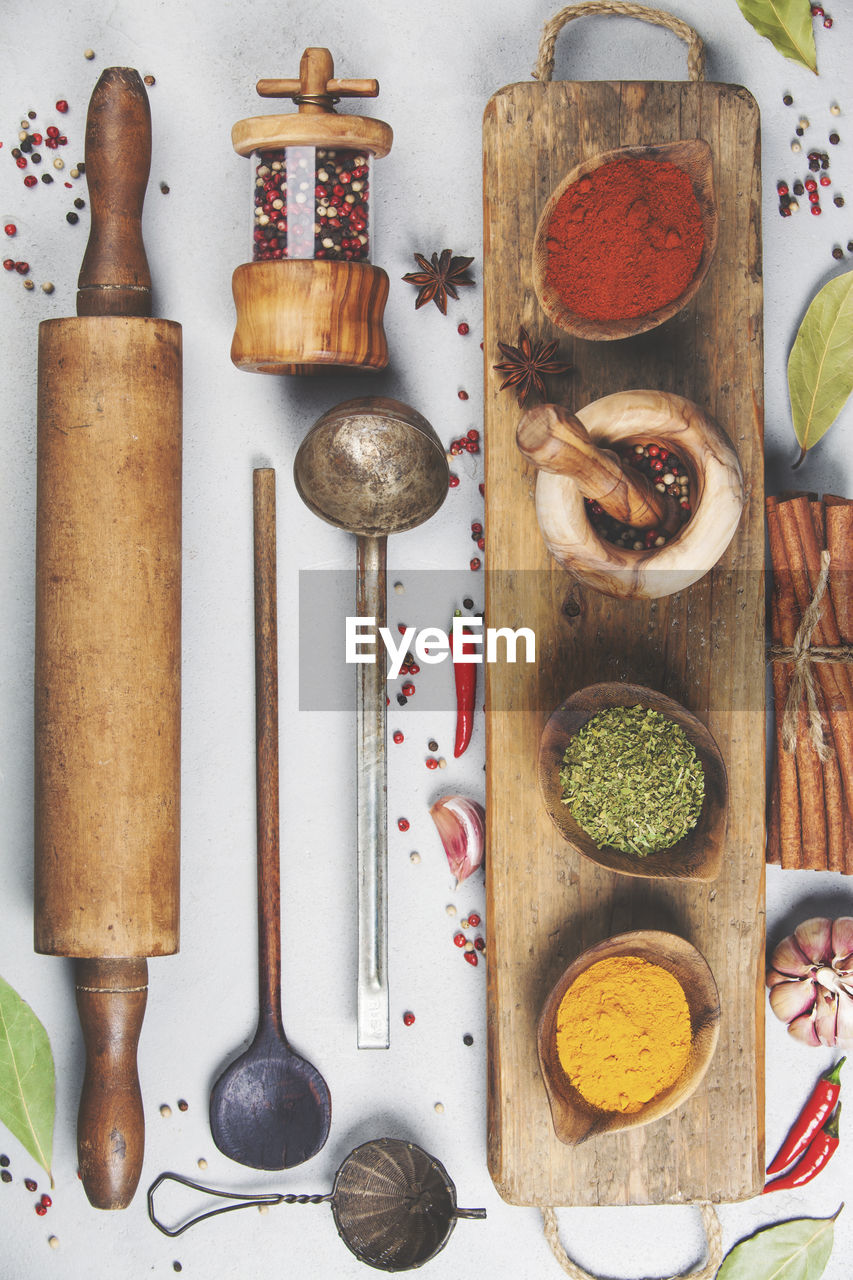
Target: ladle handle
555,440
266,751
373,1010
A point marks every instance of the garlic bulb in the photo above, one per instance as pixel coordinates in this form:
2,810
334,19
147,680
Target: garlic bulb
811,982
462,826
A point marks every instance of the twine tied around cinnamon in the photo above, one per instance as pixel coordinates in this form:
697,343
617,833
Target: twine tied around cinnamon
803,653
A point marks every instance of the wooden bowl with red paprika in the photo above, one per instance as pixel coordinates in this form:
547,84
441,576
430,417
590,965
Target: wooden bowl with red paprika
626,239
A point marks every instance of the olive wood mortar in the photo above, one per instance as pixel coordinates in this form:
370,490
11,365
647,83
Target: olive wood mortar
698,854
573,1117
693,156
569,473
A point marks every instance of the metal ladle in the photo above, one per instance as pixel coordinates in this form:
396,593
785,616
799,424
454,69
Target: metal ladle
373,467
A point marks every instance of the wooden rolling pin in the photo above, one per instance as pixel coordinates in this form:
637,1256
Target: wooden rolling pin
555,440
107,663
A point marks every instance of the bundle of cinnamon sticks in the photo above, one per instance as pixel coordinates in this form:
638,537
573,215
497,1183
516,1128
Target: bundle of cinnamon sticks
810,818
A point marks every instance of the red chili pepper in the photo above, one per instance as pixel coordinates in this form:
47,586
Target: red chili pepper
818,1153
820,1105
465,674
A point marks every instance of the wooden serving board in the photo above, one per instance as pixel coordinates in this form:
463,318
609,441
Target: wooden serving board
703,647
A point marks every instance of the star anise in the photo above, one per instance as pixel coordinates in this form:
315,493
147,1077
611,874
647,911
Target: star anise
439,276
525,364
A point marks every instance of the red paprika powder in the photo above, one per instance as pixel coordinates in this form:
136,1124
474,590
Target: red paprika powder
624,240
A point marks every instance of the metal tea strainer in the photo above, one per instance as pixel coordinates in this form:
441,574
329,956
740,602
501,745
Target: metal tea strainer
394,1205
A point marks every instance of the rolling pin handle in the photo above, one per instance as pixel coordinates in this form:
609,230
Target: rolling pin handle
111,997
114,278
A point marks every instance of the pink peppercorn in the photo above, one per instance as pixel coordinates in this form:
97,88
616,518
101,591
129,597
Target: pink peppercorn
8,264
453,481
408,1018
52,131
471,957
473,919
10,229
459,939
408,688
475,563
463,395
62,106
480,944
22,268
398,735
30,180
462,328
431,762
403,824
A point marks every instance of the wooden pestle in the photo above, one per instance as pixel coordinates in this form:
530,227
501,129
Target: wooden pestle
555,440
107,696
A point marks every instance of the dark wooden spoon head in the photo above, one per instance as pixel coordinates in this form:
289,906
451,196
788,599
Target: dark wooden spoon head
270,1109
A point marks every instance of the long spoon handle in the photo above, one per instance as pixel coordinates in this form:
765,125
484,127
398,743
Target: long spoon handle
373,1012
266,746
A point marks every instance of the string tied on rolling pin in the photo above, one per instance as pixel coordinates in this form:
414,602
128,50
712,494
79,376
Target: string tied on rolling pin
802,653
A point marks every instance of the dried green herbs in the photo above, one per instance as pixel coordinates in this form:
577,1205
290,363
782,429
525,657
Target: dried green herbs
632,780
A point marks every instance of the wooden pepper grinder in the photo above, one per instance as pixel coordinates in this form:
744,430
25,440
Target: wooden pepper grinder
310,298
107,660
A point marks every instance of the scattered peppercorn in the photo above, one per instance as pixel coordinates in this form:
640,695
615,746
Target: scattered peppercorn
850,246
28,284
46,1200
459,939
4,1162
468,1039
9,264
41,1210
476,563
72,217
787,99
408,689
799,131
453,482
431,762
471,957
439,1107
89,54
462,328
59,163
5,1175
165,1110
414,856
79,203
403,824
838,201
22,268
176,1266
462,394
467,603
798,188
183,1105
149,80
81,168
53,1241
402,699
815,208
47,287
834,139
795,146
408,1018
398,735
480,944
31,1184
442,763
838,252
164,187
827,22
473,919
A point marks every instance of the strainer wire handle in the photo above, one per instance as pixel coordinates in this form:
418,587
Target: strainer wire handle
469,1213
244,1202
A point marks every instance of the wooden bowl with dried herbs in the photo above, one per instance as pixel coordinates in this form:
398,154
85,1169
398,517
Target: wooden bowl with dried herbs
633,781
627,1033
626,239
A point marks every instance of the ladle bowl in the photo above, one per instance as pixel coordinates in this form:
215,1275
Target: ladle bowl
373,467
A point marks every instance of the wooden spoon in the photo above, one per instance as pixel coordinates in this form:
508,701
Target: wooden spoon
271,1108
556,441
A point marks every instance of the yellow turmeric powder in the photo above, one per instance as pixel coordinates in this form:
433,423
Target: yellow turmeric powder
623,1033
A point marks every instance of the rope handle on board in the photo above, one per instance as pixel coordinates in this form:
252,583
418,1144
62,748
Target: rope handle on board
713,1234
625,8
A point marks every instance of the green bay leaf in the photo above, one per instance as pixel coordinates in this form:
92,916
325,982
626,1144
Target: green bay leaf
820,366
787,24
798,1249
27,1085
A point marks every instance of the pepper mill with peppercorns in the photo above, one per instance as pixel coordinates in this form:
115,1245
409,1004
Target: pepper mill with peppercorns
311,298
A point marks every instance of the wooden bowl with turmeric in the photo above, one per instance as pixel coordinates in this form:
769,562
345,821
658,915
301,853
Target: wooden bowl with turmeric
626,239
633,768
627,1033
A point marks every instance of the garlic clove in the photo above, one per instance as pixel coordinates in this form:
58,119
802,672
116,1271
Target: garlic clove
842,944
790,999
803,1029
788,959
461,824
814,938
826,1016
773,978
844,1022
